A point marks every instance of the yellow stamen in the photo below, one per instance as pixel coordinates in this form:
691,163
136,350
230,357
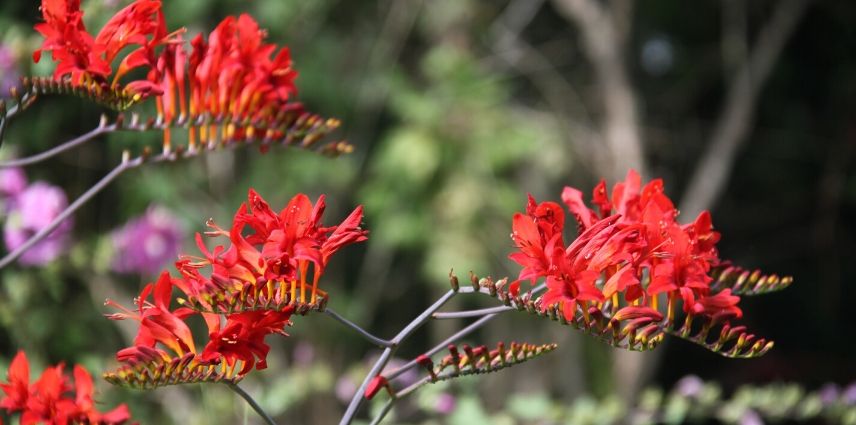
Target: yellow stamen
614,302
670,315
293,292
654,303
304,265
315,285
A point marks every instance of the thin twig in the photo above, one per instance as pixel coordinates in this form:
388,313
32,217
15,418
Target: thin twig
422,318
71,144
92,191
249,399
358,397
471,313
380,364
711,175
383,412
441,346
364,333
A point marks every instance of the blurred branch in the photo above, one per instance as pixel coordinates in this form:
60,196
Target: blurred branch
364,333
604,38
714,167
563,99
102,128
249,399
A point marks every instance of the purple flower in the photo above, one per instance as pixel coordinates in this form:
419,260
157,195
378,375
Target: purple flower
13,181
751,417
8,71
848,396
445,404
829,394
145,244
689,386
32,210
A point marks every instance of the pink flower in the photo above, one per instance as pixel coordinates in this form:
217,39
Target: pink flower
32,210
147,243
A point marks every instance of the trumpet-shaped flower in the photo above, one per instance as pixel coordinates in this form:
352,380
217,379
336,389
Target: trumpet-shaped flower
254,287
630,244
48,400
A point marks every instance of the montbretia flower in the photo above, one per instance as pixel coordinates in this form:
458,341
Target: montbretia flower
229,86
633,245
86,58
52,400
255,286
69,42
230,77
630,254
279,262
165,351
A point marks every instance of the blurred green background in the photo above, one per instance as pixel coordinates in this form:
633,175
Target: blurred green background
457,110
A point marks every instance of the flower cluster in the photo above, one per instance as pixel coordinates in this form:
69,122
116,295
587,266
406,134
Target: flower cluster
230,86
50,401
88,58
231,75
630,247
30,207
255,286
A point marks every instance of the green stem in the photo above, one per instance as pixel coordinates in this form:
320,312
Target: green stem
249,399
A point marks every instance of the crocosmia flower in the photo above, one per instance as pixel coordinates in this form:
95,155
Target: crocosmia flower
633,263
83,57
52,399
631,243
251,289
32,210
147,243
279,262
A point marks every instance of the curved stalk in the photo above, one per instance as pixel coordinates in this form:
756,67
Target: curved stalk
364,333
252,402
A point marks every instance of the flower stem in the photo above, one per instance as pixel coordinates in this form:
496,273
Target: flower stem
364,333
252,402
71,144
357,399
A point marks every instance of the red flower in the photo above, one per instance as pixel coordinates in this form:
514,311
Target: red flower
140,23
69,43
242,338
278,257
86,405
48,401
18,388
631,245
231,74
158,323
252,292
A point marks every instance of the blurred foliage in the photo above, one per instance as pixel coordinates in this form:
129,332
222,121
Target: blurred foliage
449,140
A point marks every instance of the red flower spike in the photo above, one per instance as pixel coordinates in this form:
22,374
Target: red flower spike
279,263
632,246
49,401
69,42
483,360
256,284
